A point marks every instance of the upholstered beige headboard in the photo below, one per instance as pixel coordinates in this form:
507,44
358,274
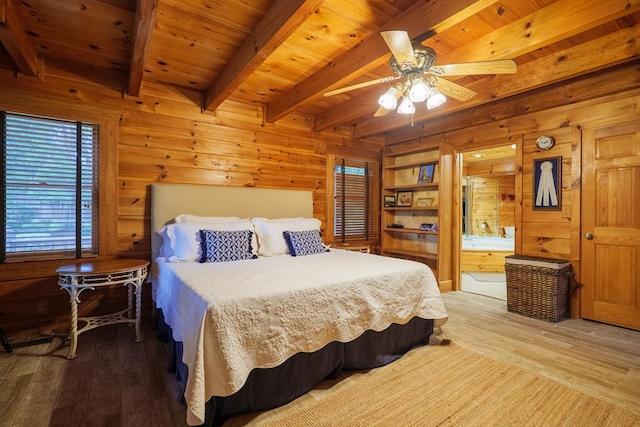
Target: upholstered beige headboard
171,200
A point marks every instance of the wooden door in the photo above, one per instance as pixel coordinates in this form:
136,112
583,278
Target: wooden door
611,225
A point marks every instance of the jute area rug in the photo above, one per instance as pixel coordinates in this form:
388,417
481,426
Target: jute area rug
442,386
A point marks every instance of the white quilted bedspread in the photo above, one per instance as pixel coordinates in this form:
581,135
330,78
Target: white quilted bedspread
236,316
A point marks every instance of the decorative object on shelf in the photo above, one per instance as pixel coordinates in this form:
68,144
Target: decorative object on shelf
545,142
547,178
404,198
396,225
426,173
428,227
424,202
389,201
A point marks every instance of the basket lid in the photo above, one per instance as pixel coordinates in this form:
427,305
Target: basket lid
537,261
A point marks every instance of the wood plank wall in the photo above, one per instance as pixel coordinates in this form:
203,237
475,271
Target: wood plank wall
162,137
506,202
552,234
165,137
483,206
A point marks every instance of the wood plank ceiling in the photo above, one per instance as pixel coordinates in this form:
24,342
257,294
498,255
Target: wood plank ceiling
284,54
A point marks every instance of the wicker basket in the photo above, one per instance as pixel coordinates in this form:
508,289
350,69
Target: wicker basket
537,287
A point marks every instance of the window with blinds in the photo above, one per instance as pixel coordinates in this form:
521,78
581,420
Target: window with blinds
355,195
50,188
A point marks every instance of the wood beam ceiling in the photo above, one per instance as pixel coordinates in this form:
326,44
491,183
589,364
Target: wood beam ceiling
145,20
280,21
609,82
559,20
373,52
603,52
16,41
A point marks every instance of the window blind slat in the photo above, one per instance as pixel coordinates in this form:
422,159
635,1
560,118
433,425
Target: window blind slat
40,172
354,210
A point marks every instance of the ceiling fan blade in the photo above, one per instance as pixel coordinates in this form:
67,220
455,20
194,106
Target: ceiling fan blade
454,90
361,85
400,46
381,111
502,66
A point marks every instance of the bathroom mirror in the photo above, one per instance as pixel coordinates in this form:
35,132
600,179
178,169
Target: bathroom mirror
481,202
488,192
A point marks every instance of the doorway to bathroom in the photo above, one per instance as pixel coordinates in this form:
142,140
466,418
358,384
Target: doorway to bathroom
488,219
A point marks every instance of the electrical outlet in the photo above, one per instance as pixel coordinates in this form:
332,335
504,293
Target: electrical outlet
41,306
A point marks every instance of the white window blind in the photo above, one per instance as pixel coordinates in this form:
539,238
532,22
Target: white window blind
50,191
354,207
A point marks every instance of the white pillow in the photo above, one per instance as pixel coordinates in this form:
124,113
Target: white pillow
202,219
185,240
270,238
165,249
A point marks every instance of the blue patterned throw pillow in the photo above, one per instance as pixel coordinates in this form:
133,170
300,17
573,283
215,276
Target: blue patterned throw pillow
221,246
304,242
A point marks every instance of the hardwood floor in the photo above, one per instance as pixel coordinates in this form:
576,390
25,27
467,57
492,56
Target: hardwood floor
117,382
597,359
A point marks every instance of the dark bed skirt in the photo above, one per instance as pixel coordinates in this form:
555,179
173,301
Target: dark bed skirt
269,388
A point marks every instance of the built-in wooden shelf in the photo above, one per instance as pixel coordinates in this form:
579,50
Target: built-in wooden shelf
409,230
410,208
411,165
431,185
409,252
401,172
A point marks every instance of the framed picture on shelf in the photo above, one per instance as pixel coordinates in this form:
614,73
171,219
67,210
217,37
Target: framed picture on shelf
404,198
425,202
547,184
426,173
389,201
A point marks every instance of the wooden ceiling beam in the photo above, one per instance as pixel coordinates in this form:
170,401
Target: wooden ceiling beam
593,86
603,52
362,105
552,23
371,52
280,21
16,41
145,21
548,71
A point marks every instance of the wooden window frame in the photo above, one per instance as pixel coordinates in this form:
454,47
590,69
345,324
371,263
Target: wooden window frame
107,169
375,194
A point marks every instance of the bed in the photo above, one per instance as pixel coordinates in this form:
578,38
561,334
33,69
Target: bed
257,332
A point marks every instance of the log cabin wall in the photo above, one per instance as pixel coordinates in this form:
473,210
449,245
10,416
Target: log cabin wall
483,207
552,234
163,137
506,202
159,138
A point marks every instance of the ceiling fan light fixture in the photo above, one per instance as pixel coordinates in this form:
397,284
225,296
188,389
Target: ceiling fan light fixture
419,90
406,106
436,98
389,99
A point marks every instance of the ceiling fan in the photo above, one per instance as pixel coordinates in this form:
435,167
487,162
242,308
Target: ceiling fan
422,78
